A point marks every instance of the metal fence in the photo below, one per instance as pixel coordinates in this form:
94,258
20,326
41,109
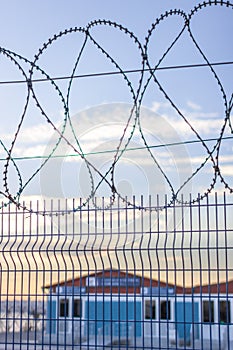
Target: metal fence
114,275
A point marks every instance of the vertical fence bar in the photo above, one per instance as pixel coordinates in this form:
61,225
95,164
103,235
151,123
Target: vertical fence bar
228,298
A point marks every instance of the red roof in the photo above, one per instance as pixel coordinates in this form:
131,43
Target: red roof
216,288
118,281
114,281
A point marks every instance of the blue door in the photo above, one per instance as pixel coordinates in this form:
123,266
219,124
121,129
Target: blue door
186,315
51,317
115,318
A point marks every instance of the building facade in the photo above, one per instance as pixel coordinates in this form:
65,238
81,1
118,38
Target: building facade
113,307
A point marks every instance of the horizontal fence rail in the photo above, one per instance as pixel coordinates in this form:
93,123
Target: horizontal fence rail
160,277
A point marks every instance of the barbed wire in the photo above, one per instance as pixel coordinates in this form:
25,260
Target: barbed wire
134,121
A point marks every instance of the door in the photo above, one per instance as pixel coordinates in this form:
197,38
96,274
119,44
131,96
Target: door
186,320
114,318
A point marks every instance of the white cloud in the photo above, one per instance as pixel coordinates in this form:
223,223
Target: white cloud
34,134
158,106
226,159
205,123
226,170
34,151
194,106
99,130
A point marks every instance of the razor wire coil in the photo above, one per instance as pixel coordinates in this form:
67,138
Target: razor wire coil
137,96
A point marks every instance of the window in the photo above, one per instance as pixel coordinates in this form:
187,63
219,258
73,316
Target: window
165,310
224,312
77,308
64,308
208,311
150,310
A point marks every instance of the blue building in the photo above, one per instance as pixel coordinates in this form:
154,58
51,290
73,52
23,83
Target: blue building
117,307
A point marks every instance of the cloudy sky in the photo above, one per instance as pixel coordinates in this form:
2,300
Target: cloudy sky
99,107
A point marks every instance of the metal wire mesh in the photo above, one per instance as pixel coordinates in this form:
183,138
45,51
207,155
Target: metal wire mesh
117,277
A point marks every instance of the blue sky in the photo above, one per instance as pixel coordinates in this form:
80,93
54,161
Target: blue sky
25,27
